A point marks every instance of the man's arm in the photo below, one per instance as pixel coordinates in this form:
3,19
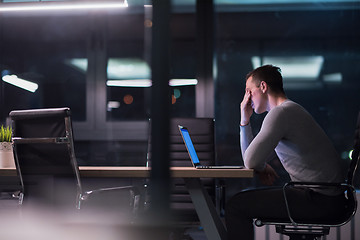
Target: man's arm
261,148
246,136
268,175
245,109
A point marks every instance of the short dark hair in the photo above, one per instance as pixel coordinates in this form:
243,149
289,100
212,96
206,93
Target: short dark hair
269,74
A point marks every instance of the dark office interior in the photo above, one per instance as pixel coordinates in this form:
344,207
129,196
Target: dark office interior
73,56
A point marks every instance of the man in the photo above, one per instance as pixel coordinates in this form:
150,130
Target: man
300,144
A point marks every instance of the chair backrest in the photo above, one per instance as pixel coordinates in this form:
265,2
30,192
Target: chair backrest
202,135
44,154
354,163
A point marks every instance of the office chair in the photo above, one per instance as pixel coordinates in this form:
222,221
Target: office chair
202,134
314,229
46,163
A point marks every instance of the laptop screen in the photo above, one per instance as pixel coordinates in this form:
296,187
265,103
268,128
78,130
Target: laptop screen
189,145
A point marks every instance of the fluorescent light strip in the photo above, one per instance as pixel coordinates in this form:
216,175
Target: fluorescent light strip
129,83
21,83
148,82
113,104
53,6
293,67
333,78
183,82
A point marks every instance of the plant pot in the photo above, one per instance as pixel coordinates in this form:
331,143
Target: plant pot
6,155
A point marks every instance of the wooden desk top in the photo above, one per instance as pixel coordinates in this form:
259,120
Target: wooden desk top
144,172
183,172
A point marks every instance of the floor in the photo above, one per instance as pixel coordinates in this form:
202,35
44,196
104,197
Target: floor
39,223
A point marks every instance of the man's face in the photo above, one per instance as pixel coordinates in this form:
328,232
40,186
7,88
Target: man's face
258,98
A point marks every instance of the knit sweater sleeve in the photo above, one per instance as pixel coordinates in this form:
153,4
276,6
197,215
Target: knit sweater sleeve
246,137
260,149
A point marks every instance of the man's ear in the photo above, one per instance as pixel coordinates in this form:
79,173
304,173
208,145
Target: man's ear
263,86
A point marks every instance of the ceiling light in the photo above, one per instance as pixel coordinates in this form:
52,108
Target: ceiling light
182,82
21,83
332,78
80,64
53,6
128,68
113,104
293,67
129,83
148,82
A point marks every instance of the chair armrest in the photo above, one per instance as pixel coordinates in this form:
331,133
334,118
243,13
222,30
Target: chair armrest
18,140
318,184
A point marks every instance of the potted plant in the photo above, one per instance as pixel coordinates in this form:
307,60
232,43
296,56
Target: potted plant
6,149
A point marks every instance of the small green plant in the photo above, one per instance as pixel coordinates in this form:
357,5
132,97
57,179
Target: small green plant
5,134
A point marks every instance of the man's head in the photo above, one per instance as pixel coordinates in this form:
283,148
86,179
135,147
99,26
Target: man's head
271,75
262,83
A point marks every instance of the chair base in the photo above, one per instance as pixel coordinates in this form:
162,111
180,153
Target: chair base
302,233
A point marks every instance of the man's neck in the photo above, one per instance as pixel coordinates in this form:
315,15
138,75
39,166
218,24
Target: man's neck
275,101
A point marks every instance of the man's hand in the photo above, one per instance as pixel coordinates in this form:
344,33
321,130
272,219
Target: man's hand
268,175
245,109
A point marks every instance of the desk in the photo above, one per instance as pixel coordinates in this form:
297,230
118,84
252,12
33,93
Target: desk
209,218
144,172
176,172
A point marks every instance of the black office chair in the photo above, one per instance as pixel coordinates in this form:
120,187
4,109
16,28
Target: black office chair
202,134
46,163
313,229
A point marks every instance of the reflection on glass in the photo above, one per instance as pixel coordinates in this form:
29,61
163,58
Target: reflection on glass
45,57
126,103
21,83
316,49
128,91
293,67
52,82
127,68
80,64
56,6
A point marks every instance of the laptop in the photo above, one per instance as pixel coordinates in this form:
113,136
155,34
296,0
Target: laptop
192,152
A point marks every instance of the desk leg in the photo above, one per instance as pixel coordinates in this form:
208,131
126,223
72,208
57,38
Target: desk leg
209,218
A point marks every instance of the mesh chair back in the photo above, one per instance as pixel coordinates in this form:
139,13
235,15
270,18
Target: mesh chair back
202,135
44,154
351,178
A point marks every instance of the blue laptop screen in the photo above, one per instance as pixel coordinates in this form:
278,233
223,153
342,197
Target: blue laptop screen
190,146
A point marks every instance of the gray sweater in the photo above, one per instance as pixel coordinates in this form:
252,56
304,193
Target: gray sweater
303,148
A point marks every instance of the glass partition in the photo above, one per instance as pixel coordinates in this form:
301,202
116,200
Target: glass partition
83,60
47,53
